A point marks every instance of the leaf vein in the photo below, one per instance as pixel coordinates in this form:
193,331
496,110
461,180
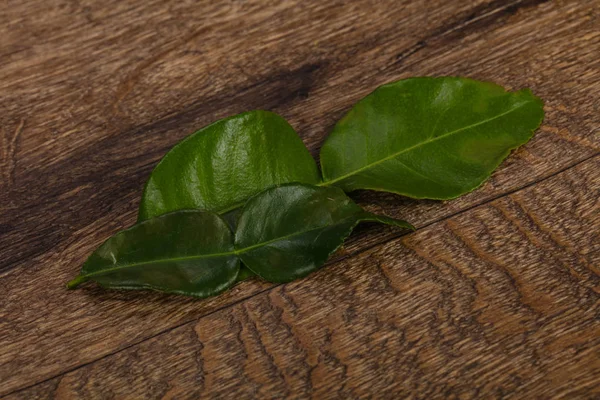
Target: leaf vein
235,252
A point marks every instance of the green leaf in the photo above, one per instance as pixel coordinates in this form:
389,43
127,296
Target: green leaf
433,138
220,166
187,252
287,232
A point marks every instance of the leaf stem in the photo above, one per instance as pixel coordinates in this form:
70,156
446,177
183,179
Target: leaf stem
76,282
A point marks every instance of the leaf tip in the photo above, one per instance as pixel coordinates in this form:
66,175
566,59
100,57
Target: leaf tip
408,225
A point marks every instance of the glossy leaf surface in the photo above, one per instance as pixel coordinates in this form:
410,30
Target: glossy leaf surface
187,252
220,166
289,231
433,138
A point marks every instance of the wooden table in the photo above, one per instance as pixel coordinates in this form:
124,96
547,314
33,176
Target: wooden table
496,295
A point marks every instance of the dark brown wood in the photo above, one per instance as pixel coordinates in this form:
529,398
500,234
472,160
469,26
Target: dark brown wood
498,301
93,93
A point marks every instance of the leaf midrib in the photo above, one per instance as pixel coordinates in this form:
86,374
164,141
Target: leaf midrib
235,252
396,154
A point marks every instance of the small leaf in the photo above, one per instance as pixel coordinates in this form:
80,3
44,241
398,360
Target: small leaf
433,138
187,252
287,232
220,166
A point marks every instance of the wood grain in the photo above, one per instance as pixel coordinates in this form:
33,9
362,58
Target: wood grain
500,301
93,93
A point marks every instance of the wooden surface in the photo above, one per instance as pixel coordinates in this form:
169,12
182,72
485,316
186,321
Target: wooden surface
495,296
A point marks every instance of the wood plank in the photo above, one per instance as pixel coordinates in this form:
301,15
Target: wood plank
80,148
498,302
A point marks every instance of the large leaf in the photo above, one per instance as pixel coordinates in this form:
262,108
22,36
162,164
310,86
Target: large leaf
187,252
432,138
220,166
287,232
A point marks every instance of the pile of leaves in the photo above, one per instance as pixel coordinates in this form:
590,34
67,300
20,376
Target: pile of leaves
243,196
